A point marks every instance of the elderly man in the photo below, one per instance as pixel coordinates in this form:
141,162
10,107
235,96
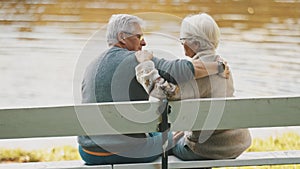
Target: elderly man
111,77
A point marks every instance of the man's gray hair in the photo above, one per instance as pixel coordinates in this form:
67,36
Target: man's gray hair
121,23
202,29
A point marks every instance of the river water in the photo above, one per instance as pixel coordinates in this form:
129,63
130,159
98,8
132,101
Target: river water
46,44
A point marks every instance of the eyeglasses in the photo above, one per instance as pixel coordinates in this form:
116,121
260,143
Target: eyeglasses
139,36
182,40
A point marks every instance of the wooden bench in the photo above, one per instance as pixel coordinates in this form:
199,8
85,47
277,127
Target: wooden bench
137,117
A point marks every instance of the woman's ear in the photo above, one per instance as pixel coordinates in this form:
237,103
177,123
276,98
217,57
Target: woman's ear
195,46
121,37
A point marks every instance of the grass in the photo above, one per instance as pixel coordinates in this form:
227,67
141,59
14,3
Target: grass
43,155
286,141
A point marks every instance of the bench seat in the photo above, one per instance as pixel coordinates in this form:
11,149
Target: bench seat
76,164
246,159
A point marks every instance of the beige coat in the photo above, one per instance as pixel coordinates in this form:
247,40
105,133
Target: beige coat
219,144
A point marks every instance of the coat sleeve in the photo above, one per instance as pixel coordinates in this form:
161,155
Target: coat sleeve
175,71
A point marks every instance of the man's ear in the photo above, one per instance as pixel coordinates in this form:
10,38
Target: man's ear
121,37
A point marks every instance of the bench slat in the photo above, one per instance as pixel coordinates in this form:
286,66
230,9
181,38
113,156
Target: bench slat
53,165
140,117
246,159
233,113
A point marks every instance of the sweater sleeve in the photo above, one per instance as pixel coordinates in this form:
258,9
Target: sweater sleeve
175,71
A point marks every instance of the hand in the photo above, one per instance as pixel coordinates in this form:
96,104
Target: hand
142,56
170,90
177,135
226,73
163,89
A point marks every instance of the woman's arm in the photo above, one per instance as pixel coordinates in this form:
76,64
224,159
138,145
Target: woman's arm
154,84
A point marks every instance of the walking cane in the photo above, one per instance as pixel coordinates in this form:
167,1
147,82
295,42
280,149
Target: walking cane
164,127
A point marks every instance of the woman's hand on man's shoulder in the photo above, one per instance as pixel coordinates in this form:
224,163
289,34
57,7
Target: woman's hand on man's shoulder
143,55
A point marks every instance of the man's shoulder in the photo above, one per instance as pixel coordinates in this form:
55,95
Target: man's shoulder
116,54
118,50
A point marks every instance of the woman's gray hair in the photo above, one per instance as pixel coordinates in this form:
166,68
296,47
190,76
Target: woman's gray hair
120,23
201,29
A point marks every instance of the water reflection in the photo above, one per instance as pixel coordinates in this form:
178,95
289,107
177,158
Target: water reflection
42,39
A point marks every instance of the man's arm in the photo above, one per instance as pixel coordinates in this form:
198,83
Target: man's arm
180,71
155,84
175,71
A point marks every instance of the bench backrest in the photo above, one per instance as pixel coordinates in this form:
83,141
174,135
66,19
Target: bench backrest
142,116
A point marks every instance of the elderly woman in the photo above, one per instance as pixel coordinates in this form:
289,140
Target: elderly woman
200,37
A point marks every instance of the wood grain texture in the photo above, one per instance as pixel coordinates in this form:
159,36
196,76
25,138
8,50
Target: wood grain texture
140,117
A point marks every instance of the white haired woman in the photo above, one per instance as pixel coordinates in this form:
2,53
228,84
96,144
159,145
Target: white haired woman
200,37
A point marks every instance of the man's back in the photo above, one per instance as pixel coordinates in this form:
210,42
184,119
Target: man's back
111,78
